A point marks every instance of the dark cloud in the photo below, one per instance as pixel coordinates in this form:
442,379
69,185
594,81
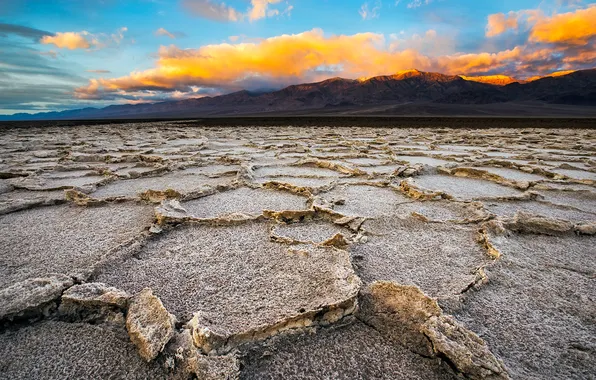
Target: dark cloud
34,82
23,31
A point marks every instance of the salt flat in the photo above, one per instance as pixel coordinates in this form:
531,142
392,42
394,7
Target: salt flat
172,250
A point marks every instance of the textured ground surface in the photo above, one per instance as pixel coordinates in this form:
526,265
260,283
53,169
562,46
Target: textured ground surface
261,241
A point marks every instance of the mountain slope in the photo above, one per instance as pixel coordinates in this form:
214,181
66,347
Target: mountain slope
376,94
498,80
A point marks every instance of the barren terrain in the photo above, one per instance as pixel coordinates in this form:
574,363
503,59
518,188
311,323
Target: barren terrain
166,250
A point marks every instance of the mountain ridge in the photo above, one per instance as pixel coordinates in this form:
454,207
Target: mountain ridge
381,93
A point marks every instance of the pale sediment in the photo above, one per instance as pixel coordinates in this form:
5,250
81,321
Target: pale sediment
164,250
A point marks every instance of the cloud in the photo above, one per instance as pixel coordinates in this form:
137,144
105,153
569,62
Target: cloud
287,59
68,40
368,14
499,23
83,39
212,9
217,10
163,32
99,71
296,58
575,28
259,9
23,31
35,80
418,3
430,42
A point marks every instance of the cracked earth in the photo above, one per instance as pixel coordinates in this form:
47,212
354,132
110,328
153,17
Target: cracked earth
170,251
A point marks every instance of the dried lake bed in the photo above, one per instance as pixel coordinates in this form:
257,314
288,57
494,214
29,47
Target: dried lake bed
164,250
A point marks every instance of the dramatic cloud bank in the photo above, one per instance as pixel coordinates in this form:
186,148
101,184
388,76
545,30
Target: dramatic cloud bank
559,42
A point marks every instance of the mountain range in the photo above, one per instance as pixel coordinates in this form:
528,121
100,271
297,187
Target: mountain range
407,93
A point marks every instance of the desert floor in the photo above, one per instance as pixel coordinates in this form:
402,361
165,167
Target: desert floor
166,250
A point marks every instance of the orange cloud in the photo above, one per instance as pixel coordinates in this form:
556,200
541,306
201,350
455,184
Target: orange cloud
499,23
68,40
84,39
297,57
575,28
311,55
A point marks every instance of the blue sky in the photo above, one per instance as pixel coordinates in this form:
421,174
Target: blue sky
66,54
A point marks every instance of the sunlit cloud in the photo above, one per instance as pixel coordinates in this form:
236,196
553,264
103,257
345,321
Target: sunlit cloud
291,58
499,23
83,39
576,27
245,63
68,40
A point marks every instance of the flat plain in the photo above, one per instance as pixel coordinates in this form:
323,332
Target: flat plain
173,249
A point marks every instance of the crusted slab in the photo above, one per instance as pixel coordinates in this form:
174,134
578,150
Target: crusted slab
178,184
66,239
149,324
508,209
361,200
465,189
267,266
54,350
445,211
32,297
540,293
337,353
243,200
243,284
317,231
442,259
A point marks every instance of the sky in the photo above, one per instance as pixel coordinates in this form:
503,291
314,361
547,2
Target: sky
66,54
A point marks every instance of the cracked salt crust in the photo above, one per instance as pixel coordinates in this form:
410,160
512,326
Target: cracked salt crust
260,242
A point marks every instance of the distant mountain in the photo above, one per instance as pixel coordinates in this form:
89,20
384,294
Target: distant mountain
410,92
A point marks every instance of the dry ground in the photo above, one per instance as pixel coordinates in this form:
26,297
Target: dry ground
297,252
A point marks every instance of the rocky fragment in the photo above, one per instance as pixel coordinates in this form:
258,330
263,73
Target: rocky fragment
406,315
529,223
343,169
32,297
185,361
398,312
417,192
223,367
465,350
92,300
79,198
338,241
149,324
486,175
